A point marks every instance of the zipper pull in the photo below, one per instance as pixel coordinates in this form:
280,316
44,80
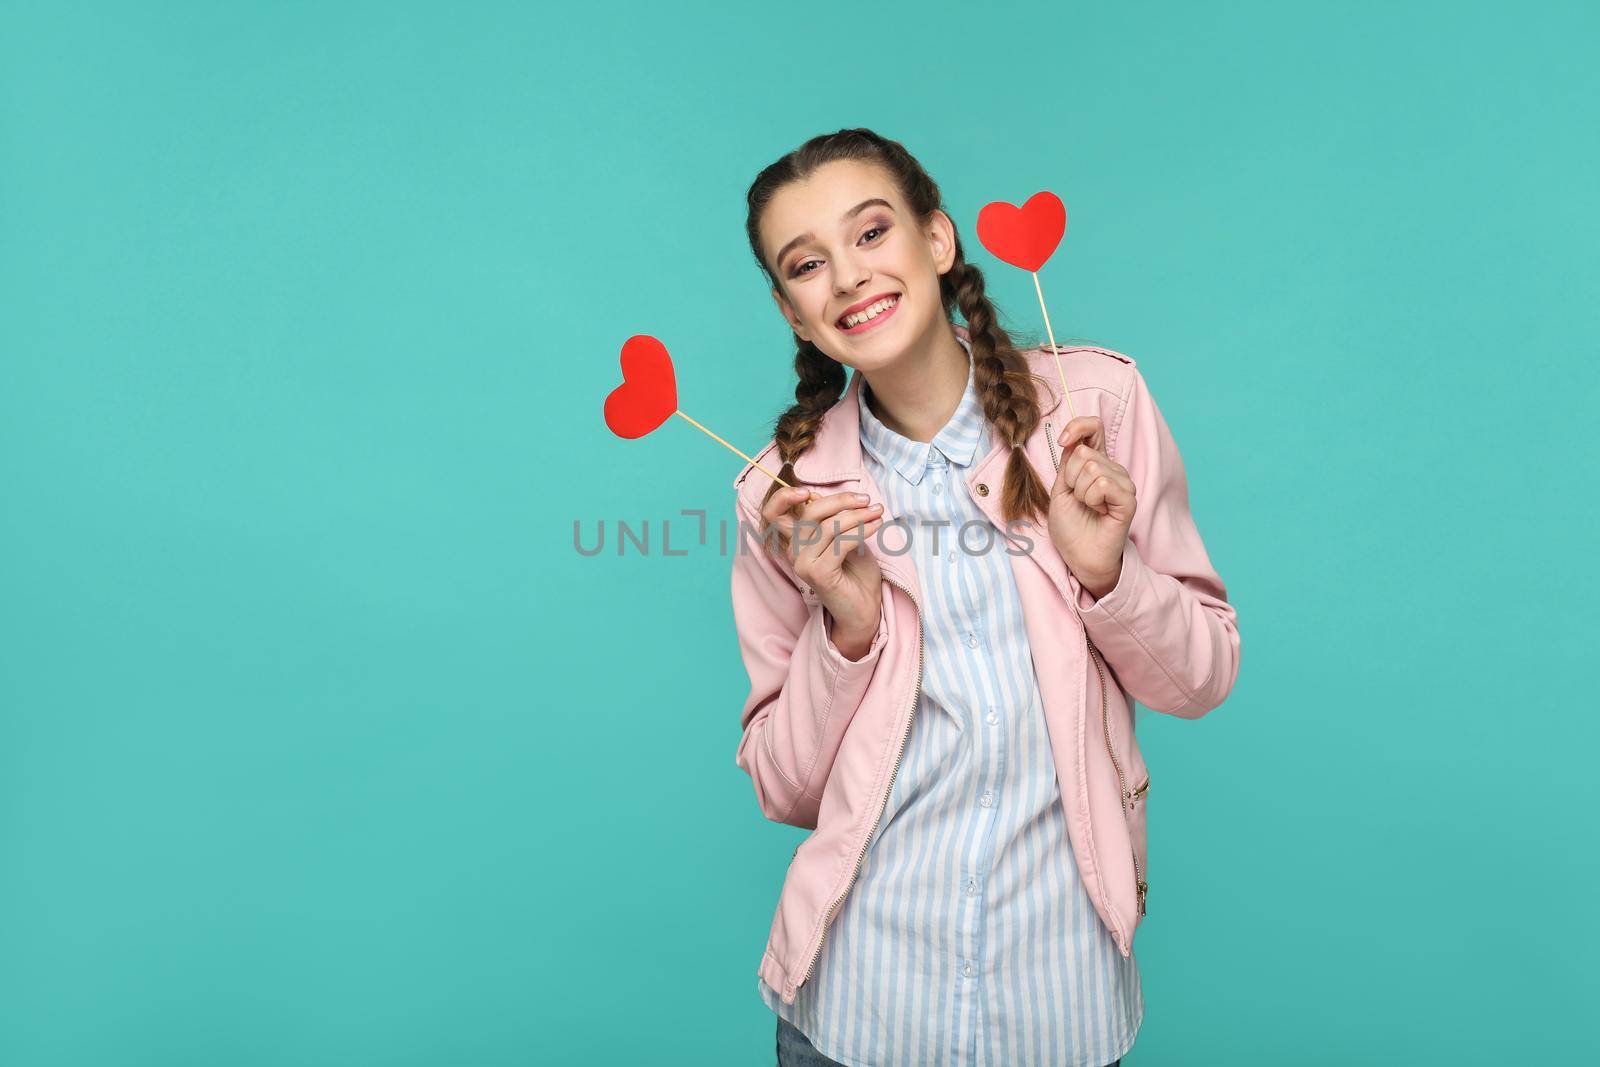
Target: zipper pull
1144,888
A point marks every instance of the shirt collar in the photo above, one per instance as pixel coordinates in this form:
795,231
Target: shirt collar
957,441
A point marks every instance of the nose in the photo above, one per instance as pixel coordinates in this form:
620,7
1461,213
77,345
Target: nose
852,275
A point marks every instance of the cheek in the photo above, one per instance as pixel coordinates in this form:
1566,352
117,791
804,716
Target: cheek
816,308
924,287
919,273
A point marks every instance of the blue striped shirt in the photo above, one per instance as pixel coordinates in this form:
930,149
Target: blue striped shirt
968,937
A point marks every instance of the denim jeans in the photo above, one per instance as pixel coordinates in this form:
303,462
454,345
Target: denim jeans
795,1050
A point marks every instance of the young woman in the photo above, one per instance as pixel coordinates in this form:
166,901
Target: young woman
946,623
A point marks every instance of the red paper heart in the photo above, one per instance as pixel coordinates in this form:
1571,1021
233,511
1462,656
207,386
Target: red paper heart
1023,236
648,395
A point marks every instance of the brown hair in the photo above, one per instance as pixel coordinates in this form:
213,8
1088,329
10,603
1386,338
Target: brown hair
1000,372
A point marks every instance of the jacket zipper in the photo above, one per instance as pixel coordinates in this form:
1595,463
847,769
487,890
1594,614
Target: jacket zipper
1141,887
899,751
1126,797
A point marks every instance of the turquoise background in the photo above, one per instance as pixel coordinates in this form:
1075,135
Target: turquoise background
321,744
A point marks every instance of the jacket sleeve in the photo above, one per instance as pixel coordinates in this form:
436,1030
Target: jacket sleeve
803,691
1166,628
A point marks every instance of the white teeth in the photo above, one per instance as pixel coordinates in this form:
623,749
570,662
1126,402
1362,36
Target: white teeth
871,312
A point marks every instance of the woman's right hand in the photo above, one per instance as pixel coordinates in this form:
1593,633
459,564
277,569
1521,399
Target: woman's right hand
839,568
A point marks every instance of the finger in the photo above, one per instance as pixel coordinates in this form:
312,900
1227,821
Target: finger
1060,487
1089,465
1080,451
1094,491
777,516
1087,428
846,543
807,531
824,507
834,542
831,528
1080,458
868,529
1113,470
1110,497
777,513
782,500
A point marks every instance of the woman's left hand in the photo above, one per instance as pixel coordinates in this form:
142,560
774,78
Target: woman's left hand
1091,506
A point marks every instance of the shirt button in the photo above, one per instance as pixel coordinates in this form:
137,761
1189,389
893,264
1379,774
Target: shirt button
937,488
993,717
967,969
987,799
952,557
972,887
972,640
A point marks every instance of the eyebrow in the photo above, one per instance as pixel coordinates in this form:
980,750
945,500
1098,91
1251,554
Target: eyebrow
803,238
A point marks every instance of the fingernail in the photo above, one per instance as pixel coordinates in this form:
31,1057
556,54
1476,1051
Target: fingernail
876,507
861,498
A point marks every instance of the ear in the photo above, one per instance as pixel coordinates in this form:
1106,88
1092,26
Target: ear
941,236
788,313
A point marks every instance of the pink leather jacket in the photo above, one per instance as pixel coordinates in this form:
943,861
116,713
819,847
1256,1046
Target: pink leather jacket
823,735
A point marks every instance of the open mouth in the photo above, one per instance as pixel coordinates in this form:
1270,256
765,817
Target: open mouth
870,316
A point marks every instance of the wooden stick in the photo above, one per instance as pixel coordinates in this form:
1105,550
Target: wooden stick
1059,369
747,459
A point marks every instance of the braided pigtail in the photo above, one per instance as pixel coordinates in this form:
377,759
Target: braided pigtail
1005,386
821,383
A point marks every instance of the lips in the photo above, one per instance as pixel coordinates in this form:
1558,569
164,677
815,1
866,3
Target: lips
853,308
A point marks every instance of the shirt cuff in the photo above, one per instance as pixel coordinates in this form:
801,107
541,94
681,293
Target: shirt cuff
838,658
1108,606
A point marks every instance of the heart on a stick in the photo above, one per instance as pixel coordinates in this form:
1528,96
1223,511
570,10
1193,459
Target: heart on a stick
1023,236
648,394
1027,237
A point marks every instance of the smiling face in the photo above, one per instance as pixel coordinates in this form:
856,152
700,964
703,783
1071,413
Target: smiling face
843,242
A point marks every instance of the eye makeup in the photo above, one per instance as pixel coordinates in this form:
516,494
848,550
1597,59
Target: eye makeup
880,224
